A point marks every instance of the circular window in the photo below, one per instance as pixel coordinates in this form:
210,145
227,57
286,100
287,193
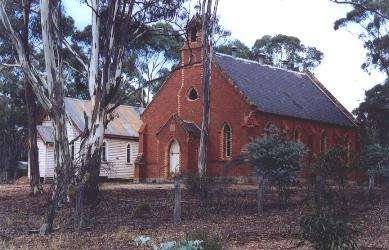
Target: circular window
192,94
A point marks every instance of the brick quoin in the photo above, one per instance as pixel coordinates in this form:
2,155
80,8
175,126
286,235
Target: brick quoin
165,117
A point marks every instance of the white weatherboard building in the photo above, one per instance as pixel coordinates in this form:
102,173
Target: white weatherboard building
120,147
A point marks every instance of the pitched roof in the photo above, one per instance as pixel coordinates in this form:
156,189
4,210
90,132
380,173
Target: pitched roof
46,133
126,122
188,126
283,92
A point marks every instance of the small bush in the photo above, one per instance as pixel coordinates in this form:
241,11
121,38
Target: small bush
209,241
328,229
141,210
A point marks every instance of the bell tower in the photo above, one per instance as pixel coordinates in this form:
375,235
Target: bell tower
191,50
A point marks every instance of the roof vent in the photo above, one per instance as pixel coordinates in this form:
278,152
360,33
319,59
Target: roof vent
261,58
234,49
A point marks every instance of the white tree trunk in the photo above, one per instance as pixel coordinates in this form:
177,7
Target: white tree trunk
208,26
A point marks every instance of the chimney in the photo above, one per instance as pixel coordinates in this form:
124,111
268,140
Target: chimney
261,58
234,49
285,64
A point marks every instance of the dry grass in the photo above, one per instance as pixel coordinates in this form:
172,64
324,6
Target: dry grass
232,218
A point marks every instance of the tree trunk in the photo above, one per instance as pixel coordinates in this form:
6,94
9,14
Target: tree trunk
260,191
48,90
371,185
31,108
63,164
177,200
33,157
207,35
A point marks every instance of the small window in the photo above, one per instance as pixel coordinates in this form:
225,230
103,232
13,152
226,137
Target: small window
323,142
72,151
227,141
192,94
104,152
193,35
128,153
297,135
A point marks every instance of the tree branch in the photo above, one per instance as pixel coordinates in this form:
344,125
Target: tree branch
355,4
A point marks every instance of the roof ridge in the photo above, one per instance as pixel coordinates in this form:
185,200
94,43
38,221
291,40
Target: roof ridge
87,100
261,64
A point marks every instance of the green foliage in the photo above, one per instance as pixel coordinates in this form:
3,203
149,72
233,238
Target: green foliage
372,115
372,17
209,240
331,163
276,49
283,47
375,159
142,210
328,229
274,156
242,50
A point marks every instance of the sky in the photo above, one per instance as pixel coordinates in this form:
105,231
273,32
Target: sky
309,20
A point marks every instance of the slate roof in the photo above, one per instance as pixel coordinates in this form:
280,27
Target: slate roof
46,133
283,92
126,122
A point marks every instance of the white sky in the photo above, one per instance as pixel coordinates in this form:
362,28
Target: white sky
309,20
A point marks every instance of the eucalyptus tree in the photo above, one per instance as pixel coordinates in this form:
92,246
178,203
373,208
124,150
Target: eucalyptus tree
282,49
6,56
116,26
209,24
48,88
372,17
374,159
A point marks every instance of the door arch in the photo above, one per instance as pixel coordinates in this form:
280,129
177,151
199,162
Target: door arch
174,157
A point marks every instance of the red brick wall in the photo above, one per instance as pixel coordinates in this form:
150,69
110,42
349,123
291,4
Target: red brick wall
228,105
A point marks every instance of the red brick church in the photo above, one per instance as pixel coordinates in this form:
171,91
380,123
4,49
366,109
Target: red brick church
246,97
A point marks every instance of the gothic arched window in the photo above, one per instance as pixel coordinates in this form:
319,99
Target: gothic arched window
227,145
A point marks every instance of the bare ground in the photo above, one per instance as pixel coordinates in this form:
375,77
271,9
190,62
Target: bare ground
232,219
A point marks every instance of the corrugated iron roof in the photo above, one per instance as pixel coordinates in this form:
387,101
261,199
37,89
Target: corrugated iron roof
126,120
280,91
46,133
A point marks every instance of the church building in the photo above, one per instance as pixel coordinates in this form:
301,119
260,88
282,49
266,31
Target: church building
246,97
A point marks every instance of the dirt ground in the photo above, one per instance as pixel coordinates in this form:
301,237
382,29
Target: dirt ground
232,219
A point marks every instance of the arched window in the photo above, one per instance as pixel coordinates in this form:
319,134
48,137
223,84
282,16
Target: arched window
297,135
128,153
72,151
193,34
192,94
104,152
227,145
347,146
323,142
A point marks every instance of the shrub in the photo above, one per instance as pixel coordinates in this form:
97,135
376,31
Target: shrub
328,229
141,210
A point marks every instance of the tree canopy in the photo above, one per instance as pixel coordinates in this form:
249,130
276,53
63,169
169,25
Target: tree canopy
372,17
275,50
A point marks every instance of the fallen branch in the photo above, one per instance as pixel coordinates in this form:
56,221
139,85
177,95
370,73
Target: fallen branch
37,231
